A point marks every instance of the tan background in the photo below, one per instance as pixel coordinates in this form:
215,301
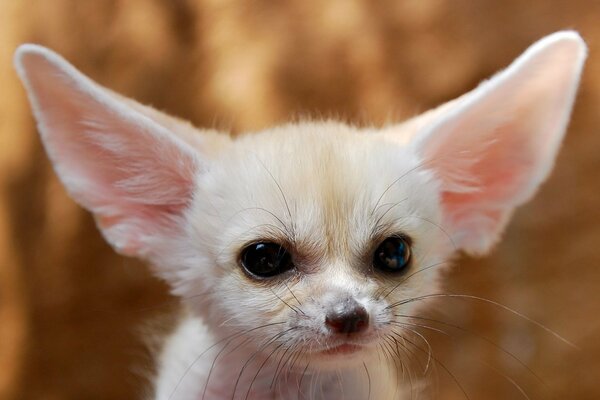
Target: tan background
71,310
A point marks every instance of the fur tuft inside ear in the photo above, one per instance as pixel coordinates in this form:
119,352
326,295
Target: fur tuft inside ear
126,167
493,147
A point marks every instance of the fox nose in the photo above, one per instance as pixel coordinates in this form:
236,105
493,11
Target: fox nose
349,317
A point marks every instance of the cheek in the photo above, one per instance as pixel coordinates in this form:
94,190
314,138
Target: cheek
243,303
432,255
424,278
410,299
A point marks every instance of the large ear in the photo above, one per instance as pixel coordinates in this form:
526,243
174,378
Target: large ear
493,147
116,158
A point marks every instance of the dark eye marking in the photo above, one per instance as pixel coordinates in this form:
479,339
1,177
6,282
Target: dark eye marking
393,255
266,259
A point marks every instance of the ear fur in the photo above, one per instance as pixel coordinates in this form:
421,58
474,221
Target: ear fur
117,158
491,148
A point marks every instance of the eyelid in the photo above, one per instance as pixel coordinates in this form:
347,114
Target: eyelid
263,239
376,240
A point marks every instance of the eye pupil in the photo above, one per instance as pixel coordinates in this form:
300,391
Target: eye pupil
266,259
392,255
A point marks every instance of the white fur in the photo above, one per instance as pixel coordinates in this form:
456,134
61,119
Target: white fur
189,201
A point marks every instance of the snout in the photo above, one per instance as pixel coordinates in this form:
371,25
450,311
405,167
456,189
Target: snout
347,318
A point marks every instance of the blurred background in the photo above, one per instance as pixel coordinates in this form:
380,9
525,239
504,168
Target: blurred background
72,312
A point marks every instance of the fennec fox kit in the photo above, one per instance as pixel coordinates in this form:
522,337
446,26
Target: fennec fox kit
314,246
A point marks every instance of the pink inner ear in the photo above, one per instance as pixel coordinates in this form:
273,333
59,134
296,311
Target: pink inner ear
488,159
497,169
136,177
493,147
137,182
483,176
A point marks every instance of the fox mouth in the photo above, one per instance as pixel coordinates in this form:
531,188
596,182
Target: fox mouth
346,347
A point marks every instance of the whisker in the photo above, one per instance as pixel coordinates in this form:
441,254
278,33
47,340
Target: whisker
509,379
434,224
231,339
291,366
429,349
294,309
276,374
214,362
488,301
390,351
188,369
260,369
413,274
483,338
257,208
382,216
287,206
289,359
340,382
254,355
395,182
391,360
497,371
397,323
406,368
292,293
368,379
395,349
301,379
445,368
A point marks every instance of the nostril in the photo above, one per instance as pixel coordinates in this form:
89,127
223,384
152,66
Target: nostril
352,320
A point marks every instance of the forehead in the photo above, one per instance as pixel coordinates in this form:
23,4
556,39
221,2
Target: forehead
327,186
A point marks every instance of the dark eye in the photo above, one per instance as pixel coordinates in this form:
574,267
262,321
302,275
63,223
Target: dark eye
392,255
266,259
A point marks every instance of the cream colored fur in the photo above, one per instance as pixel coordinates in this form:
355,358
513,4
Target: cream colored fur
188,201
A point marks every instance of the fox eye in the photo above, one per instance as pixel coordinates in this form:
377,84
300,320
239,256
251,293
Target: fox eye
392,255
266,259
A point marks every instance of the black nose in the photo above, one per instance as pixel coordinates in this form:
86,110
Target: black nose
349,317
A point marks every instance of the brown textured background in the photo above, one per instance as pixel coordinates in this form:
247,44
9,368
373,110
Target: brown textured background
71,310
